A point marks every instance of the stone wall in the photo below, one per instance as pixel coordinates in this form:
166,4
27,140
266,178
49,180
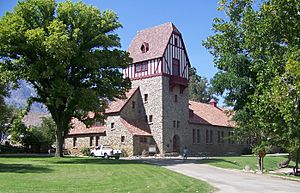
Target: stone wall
114,135
216,147
153,106
175,113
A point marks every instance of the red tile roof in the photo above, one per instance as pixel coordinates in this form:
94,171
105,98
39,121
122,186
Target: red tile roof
136,127
209,115
156,37
79,128
118,104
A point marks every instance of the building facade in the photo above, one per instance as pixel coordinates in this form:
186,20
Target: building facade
157,114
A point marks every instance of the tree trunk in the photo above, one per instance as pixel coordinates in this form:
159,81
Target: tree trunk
297,161
262,165
59,143
261,156
259,162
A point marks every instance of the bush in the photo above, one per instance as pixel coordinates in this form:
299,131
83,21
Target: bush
85,151
124,153
7,149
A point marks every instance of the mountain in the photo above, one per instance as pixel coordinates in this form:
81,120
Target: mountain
18,97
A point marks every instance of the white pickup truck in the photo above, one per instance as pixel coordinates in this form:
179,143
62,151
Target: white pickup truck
106,152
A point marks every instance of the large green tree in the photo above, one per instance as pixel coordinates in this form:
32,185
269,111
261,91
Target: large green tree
69,53
252,47
199,89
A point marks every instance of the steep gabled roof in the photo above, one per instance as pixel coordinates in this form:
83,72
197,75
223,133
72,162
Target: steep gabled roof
79,128
117,105
136,127
207,114
156,37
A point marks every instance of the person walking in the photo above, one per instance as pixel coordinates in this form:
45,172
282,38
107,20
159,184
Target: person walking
185,151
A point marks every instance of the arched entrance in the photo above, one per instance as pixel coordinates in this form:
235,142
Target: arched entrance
176,143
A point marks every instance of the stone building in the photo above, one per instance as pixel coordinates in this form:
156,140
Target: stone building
157,114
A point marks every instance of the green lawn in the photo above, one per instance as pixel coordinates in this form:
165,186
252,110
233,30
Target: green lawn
239,162
44,174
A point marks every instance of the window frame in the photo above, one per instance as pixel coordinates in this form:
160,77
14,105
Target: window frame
141,67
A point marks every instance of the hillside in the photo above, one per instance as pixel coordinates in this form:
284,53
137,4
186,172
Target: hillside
19,97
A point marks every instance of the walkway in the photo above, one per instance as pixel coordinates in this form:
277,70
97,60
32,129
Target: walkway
229,181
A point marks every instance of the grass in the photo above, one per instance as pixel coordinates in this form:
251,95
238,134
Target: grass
239,162
46,174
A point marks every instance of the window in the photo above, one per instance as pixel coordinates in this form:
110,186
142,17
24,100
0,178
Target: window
97,141
146,98
222,137
209,136
198,136
112,125
145,47
150,118
133,104
176,98
141,67
146,119
219,137
122,138
178,123
91,141
143,139
194,136
175,67
174,123
176,41
230,138
74,141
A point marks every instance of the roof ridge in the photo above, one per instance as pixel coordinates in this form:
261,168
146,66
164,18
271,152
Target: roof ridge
160,25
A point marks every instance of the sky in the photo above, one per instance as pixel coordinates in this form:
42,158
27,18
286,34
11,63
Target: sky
193,18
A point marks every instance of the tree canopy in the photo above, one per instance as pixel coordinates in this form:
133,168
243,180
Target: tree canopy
199,89
69,53
256,49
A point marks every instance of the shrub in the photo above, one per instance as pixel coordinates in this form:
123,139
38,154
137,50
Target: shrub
8,149
85,151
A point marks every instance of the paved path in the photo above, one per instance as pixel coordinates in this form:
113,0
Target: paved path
229,181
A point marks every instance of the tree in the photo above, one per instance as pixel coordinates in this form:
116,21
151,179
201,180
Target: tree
69,53
286,90
199,89
251,49
6,112
36,137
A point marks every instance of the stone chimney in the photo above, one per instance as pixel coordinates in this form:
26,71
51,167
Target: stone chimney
213,103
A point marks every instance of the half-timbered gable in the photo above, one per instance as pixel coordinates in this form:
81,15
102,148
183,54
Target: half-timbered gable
158,51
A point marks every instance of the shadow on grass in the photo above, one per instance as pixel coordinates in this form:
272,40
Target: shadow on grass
71,160
23,168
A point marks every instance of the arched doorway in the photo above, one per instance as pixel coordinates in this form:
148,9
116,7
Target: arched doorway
176,143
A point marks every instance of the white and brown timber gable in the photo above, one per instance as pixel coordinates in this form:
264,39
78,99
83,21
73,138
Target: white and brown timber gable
158,51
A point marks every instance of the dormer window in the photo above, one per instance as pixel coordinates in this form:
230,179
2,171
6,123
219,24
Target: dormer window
145,47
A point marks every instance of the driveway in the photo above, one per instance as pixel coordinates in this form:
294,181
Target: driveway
228,181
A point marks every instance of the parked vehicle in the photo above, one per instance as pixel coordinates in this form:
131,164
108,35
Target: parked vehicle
106,152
